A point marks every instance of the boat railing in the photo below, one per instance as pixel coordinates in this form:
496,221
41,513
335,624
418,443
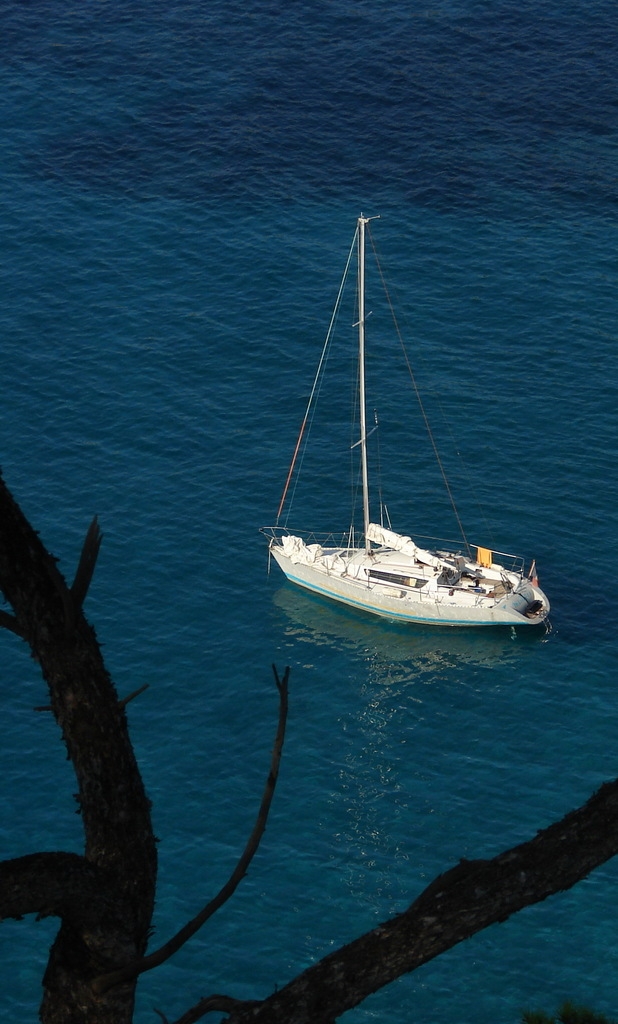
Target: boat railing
347,541
514,563
452,549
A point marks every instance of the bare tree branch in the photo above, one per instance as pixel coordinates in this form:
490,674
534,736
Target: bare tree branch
459,903
115,811
8,621
114,807
147,963
59,884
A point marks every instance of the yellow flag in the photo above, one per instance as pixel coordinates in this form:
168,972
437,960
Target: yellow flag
484,557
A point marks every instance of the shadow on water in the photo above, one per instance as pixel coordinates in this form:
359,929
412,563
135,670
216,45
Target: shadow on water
423,649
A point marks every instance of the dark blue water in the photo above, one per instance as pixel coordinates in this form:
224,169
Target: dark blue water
179,184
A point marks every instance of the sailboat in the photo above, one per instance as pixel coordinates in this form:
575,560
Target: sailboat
389,574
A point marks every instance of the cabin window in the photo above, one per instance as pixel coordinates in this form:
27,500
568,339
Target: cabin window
395,579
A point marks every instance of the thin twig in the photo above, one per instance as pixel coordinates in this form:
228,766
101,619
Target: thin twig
106,981
87,562
125,700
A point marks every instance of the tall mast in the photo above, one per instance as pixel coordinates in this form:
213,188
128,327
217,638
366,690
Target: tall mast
361,371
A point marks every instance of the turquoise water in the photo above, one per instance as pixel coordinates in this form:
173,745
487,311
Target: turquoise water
179,187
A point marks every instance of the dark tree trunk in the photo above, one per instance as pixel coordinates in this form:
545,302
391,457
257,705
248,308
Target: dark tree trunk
119,843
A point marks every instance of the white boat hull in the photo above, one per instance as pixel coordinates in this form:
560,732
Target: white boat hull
347,580
390,574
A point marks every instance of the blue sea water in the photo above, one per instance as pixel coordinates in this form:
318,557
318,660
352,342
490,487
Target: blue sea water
179,184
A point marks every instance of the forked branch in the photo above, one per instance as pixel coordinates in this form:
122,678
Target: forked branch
159,956
215,1004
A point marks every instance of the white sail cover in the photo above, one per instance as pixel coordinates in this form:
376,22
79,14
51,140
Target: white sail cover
398,542
297,551
389,539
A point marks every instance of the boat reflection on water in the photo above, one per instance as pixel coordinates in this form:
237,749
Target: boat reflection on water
401,743
397,652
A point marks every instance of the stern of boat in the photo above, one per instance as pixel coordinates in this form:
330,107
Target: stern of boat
529,604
